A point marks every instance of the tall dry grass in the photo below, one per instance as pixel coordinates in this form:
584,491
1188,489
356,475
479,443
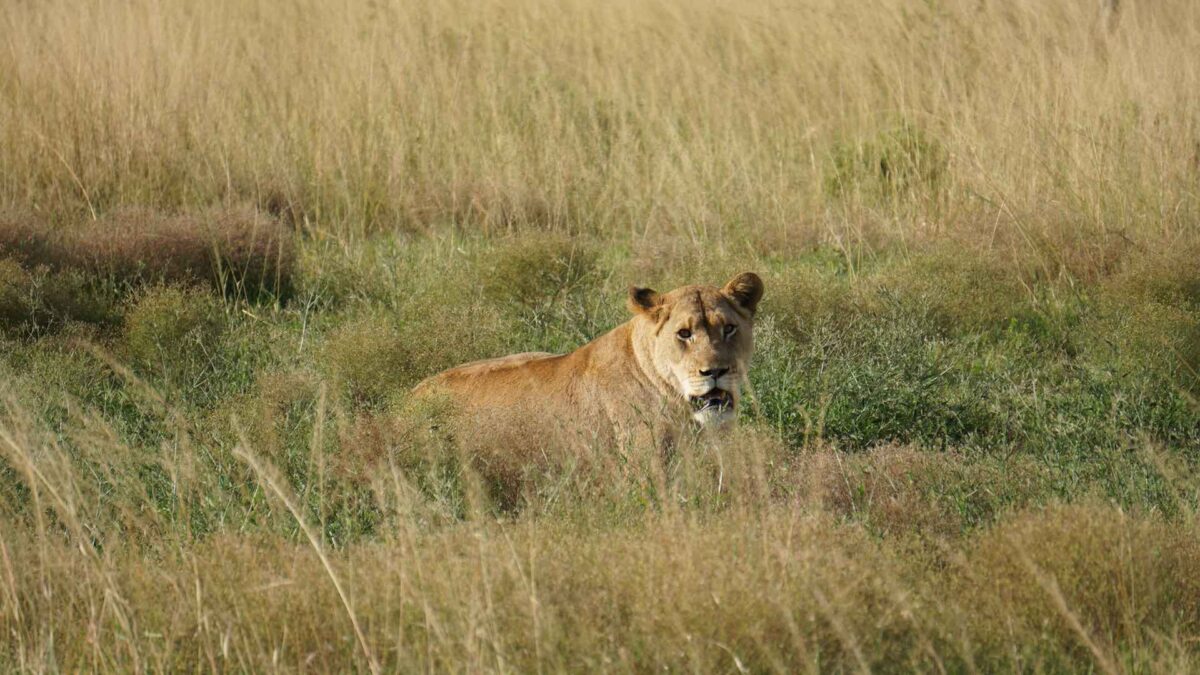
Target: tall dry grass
1037,127
94,575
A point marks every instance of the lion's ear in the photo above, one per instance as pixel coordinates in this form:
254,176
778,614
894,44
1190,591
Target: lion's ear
643,300
746,289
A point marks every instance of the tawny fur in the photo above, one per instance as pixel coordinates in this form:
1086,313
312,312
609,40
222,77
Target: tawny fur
634,381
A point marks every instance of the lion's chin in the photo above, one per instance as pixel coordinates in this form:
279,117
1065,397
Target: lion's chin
713,408
713,418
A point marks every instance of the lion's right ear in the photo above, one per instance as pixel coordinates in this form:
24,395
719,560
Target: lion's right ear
746,289
644,300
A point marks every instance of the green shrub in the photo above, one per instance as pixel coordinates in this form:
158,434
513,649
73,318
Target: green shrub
900,161
873,377
377,354
1147,320
534,272
958,291
42,300
803,299
370,359
15,291
548,290
1169,277
174,332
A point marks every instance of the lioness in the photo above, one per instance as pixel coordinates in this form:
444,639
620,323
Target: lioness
682,357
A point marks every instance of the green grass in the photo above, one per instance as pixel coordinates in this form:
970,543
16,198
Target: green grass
230,247
927,407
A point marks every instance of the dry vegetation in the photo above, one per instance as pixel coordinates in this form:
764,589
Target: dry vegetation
233,234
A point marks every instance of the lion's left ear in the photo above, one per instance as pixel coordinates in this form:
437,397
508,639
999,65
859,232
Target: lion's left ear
643,301
746,289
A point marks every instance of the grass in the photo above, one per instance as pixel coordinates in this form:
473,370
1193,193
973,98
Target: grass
229,247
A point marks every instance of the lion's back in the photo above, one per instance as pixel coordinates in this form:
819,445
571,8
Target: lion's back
486,366
491,376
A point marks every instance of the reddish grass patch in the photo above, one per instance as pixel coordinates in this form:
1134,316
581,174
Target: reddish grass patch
237,250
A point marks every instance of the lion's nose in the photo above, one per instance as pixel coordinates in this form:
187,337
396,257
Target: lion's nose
714,373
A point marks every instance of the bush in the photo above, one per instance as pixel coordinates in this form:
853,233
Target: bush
901,161
39,301
958,291
174,332
1034,583
899,491
239,251
872,377
370,360
15,289
803,300
535,272
1169,277
1147,319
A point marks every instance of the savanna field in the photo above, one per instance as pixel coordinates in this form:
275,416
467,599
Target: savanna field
234,234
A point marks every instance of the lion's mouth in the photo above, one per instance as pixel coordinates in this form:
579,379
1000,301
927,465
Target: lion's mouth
716,399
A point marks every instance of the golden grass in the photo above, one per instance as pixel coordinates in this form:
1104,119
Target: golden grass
747,563
777,590
1061,139
261,502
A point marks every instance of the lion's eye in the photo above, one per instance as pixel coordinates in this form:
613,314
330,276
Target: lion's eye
730,329
684,334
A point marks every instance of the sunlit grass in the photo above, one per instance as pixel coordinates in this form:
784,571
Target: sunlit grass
234,234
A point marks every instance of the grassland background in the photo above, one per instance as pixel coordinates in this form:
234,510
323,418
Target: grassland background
234,233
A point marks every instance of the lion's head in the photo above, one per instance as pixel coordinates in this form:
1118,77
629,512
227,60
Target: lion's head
698,340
